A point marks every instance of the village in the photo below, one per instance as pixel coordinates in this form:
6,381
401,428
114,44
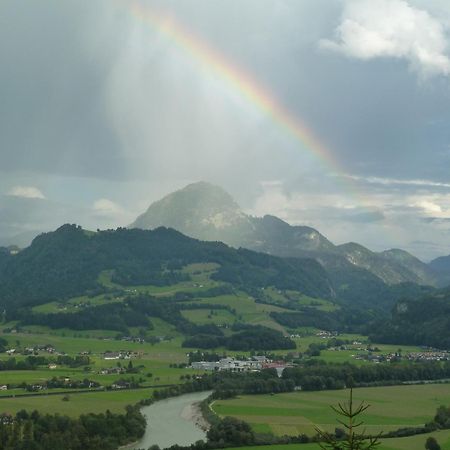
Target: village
230,364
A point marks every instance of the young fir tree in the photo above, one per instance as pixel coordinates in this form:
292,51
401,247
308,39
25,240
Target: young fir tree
352,421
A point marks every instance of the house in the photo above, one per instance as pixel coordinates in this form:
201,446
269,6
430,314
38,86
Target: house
111,355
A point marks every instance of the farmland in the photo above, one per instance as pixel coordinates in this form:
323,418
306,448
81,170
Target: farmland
159,359
408,443
392,407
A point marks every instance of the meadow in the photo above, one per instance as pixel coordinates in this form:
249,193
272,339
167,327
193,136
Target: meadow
79,403
294,413
407,443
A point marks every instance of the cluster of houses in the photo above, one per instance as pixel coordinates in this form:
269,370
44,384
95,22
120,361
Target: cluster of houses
112,370
321,333
421,356
34,350
400,356
327,334
121,355
254,364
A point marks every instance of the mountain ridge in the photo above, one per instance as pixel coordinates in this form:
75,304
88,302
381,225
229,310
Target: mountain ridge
208,212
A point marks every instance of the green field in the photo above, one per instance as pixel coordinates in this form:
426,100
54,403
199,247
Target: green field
408,443
294,413
95,402
203,316
247,310
281,298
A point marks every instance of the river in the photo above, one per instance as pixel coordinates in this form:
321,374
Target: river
172,421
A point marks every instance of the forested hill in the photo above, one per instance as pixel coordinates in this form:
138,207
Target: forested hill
68,262
425,321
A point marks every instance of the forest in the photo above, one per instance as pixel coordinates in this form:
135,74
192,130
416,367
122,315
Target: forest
37,431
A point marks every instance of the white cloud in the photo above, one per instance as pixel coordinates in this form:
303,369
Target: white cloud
428,207
392,28
26,192
395,181
106,207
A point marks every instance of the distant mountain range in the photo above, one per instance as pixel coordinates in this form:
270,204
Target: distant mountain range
205,211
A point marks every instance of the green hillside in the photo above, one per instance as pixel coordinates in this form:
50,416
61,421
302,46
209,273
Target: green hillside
68,262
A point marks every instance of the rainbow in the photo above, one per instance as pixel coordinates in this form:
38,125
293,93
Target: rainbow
241,83
236,80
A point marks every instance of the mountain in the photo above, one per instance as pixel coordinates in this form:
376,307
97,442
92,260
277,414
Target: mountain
200,210
207,212
413,267
69,262
393,266
441,266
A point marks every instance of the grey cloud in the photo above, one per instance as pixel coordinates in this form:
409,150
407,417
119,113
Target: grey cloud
98,105
436,219
52,119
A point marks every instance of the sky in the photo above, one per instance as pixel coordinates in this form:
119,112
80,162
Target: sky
328,113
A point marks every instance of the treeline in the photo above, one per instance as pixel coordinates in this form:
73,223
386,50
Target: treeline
58,383
3,345
113,316
346,319
251,338
36,431
32,362
321,376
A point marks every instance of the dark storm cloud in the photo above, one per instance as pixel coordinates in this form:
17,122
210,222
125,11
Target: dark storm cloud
52,118
99,110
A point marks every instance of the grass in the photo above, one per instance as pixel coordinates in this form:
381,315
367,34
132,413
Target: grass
247,310
204,316
408,443
199,281
95,402
293,413
282,298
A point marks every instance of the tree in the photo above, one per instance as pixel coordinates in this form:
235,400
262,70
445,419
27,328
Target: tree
352,439
432,444
231,432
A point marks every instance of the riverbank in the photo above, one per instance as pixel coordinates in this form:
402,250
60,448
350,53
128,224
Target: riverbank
194,414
